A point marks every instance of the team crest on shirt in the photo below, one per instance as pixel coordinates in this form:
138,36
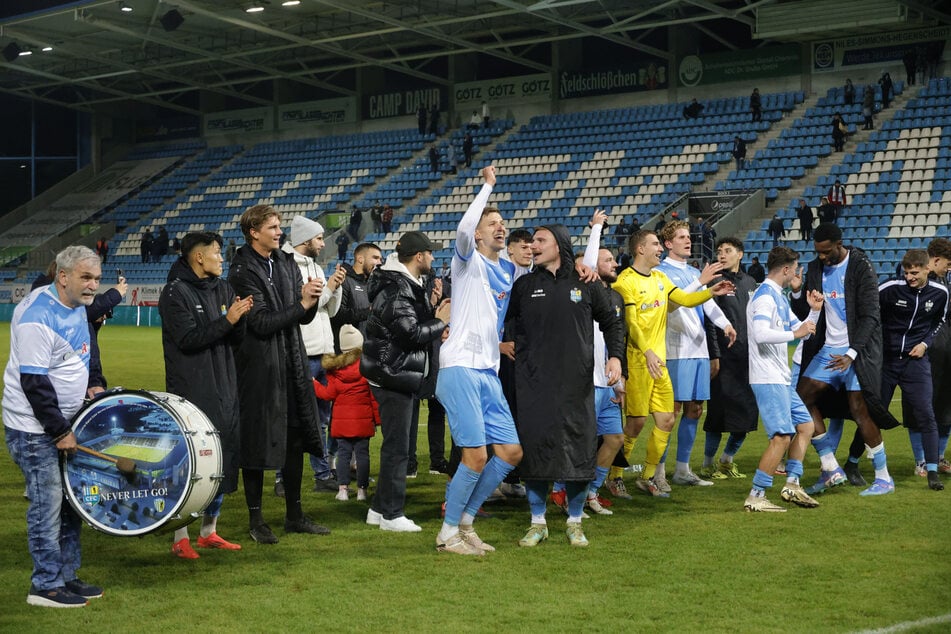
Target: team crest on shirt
617,311
575,295
660,286
928,306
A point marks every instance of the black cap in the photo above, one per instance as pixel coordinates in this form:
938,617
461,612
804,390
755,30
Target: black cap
413,242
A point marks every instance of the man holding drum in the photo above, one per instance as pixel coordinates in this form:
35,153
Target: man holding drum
44,385
201,320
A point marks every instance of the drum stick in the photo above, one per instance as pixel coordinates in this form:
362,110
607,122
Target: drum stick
124,465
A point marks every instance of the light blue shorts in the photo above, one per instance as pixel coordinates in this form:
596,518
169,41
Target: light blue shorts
691,379
608,413
817,370
775,408
476,408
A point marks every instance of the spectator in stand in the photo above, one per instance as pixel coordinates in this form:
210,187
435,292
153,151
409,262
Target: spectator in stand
839,130
145,245
387,218
356,219
708,238
421,118
621,232
451,157
777,230
232,247
486,114
693,110
155,250
467,147
887,86
910,60
756,106
739,153
163,241
376,217
474,121
826,211
868,106
343,242
756,271
837,197
849,92
434,158
804,213
102,249
176,246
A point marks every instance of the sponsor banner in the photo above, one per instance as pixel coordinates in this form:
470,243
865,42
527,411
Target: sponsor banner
143,295
877,49
470,95
13,293
717,203
236,121
317,113
714,68
183,127
648,75
401,103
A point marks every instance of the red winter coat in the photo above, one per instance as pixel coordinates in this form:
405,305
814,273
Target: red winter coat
355,411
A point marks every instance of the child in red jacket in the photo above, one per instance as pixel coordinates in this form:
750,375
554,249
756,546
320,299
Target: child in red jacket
355,412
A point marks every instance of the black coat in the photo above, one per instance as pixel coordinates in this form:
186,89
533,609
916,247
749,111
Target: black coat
197,341
864,324
398,352
732,405
273,370
354,305
550,318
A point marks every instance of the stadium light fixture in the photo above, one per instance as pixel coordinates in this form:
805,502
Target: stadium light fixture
290,3
124,7
47,49
254,7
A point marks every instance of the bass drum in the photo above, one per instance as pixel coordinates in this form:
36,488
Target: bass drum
177,457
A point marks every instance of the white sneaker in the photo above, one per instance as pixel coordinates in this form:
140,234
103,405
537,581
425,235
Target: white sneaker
374,518
761,505
361,494
690,479
512,490
342,495
401,524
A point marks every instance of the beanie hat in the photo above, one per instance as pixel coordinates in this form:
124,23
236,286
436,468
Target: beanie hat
304,229
350,338
413,242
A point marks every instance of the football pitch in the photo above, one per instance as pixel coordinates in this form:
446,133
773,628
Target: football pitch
138,454
693,563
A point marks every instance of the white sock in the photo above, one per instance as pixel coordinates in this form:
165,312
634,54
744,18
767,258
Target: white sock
447,531
209,525
683,468
574,519
792,480
828,462
467,519
539,519
726,458
180,534
661,472
756,493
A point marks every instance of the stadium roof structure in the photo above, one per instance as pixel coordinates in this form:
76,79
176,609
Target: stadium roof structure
101,55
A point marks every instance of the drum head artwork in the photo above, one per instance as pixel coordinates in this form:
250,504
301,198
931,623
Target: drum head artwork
136,426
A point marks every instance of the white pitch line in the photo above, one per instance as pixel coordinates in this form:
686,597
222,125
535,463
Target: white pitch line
909,625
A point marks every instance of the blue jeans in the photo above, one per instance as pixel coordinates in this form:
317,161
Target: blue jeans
52,526
321,464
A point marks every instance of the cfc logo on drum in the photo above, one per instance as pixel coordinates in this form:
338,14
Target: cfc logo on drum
91,494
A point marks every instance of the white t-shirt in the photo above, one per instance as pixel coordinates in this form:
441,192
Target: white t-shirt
833,287
481,290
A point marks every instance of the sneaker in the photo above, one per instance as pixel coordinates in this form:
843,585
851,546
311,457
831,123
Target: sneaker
374,518
279,488
710,472
215,541
512,490
828,480
690,479
457,544
934,483
305,525
943,466
183,549
361,494
55,598
496,495
594,503
660,479
440,466
648,486
729,470
410,475
85,590
262,534
536,534
797,495
880,487
920,470
617,488
761,505
470,536
559,499
576,535
342,495
401,524
853,474
325,485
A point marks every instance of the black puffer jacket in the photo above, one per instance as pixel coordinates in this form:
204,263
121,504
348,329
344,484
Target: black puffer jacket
354,305
401,329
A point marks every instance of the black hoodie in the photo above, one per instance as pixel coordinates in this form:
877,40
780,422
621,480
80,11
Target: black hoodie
550,318
199,363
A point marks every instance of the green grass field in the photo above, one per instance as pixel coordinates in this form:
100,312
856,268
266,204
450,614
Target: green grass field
694,563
